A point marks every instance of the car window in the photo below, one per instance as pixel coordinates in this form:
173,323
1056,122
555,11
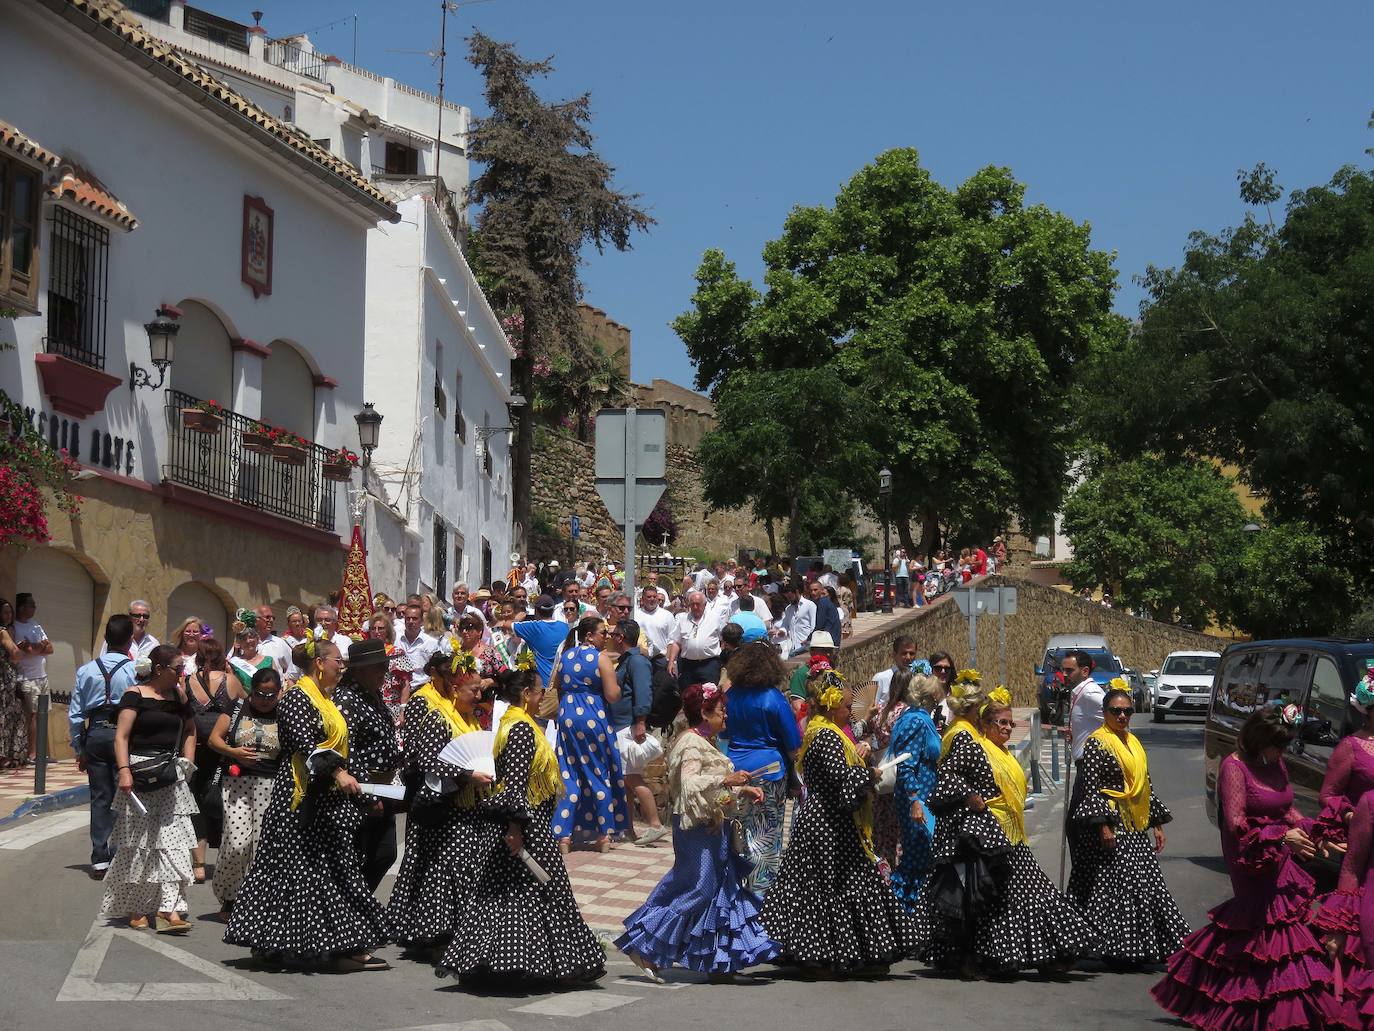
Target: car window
1324,715
1237,694
1190,665
1284,676
1104,662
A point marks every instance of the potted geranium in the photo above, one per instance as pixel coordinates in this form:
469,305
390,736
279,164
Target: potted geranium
257,437
288,448
203,417
339,465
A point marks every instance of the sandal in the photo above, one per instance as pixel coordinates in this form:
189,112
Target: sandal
649,970
138,923
359,964
173,924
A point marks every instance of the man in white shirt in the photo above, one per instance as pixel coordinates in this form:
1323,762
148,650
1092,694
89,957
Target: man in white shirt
797,623
694,646
1085,699
651,585
34,649
903,655
572,594
143,643
271,645
655,624
327,619
462,605
416,645
716,603
531,582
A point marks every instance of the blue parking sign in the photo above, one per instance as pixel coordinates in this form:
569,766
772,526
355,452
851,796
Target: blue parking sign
575,526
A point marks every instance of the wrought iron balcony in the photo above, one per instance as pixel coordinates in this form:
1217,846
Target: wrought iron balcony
218,464
293,58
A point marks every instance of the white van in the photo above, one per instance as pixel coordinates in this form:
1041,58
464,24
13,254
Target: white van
1184,684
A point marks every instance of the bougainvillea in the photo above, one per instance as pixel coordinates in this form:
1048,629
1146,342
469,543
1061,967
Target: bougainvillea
32,475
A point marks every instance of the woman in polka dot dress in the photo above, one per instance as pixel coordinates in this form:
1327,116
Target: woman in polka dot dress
518,927
1118,823
593,804
988,909
448,839
830,908
305,901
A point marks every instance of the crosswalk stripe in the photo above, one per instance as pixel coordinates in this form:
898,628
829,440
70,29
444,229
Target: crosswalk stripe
37,831
576,1004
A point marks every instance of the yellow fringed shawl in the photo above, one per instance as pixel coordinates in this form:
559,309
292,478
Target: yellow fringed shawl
1133,803
335,735
1010,804
545,780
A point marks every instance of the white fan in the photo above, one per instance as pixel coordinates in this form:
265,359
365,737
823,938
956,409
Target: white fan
471,751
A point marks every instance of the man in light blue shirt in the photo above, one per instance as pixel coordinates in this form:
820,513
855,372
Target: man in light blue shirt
543,634
99,686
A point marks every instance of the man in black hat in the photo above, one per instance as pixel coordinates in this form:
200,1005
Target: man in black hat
372,750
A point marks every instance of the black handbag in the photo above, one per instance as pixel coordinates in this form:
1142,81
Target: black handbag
159,771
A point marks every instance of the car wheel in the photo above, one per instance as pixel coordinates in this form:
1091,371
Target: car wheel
1157,715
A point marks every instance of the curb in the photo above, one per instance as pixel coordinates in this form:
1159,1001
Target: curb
50,803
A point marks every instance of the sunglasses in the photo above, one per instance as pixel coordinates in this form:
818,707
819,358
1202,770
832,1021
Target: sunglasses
1005,724
1126,713
140,615
625,608
942,669
265,694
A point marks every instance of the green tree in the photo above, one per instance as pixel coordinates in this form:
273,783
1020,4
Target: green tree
957,318
1287,584
1257,350
544,194
1164,535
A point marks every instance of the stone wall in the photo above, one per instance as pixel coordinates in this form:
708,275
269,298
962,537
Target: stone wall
564,483
1041,612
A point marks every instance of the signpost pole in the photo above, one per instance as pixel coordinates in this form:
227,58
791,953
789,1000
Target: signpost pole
973,631
574,531
1001,637
631,462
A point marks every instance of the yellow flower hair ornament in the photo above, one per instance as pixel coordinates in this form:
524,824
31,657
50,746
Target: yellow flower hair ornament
998,699
1119,684
968,676
831,697
460,660
313,637
525,661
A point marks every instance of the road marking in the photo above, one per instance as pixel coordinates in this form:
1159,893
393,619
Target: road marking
644,982
467,1025
576,1004
37,831
223,985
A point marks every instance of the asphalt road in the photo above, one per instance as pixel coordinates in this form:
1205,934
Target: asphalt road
62,970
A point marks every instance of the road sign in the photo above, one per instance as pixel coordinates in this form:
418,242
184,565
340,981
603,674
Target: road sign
630,469
575,527
836,558
986,601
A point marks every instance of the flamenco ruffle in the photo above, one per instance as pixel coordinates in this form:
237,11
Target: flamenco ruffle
438,876
1262,848
863,927
1339,913
1359,998
726,937
1330,825
517,936
1033,924
1256,965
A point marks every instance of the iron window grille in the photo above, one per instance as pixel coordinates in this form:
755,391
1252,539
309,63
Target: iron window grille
216,29
78,287
440,557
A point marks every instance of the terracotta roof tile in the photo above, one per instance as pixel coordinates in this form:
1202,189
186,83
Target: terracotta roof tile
75,182
14,140
113,16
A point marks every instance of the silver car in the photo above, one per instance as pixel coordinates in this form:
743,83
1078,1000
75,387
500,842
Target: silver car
1184,684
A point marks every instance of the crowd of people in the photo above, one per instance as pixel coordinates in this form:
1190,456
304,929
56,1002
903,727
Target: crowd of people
809,829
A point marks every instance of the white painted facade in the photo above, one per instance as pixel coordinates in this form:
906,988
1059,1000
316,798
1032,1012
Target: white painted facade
184,174
353,111
439,366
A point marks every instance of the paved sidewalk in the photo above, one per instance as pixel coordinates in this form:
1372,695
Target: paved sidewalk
610,886
65,784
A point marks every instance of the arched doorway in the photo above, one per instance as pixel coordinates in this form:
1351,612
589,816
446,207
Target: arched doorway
204,365
198,601
65,595
288,391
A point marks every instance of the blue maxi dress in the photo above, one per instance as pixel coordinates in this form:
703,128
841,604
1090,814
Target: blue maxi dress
914,732
593,802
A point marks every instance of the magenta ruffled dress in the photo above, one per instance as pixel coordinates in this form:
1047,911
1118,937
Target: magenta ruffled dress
1256,964
1349,774
1349,910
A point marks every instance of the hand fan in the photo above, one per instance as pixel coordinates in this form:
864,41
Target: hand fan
471,751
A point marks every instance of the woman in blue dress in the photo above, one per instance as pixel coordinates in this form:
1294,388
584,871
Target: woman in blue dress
915,732
593,802
763,733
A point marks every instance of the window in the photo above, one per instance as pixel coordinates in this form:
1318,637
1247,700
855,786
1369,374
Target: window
460,425
440,557
323,144
287,114
78,277
216,29
1323,723
440,398
486,562
19,194
1237,696
1284,676
401,160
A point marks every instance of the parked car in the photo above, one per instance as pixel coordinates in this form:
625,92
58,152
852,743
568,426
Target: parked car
1317,674
1140,691
1184,684
1054,698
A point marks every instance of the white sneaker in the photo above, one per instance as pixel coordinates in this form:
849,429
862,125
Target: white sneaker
651,835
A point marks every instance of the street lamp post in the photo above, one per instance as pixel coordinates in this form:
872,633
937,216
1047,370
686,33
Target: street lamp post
885,492
369,422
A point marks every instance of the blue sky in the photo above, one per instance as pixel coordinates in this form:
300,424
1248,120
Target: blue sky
726,115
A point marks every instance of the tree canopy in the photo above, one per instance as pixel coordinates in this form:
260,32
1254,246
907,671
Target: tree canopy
949,320
543,196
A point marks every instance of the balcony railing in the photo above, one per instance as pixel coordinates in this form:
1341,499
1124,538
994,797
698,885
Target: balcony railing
294,59
218,464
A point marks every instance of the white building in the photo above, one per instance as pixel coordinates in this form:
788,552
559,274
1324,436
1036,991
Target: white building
131,180
438,365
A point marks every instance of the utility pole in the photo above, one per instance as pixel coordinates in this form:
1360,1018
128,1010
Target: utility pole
445,6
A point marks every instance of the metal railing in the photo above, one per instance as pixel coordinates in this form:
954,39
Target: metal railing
218,464
216,29
293,58
78,288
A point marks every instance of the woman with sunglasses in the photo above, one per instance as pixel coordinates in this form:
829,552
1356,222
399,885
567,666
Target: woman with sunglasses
588,758
988,910
942,669
247,739
1118,826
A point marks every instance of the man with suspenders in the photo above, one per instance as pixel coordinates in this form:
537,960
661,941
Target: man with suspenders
99,686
